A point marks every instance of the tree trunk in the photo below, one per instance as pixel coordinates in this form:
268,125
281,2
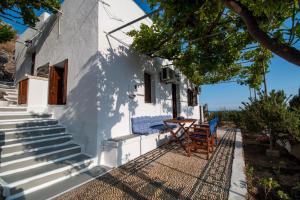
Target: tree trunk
288,53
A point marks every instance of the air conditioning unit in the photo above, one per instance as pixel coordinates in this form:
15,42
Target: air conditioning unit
167,75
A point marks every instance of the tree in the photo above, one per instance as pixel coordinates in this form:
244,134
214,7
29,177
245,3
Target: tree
25,11
295,102
216,40
6,32
271,113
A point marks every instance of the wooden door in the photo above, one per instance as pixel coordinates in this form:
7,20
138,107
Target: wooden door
174,100
58,79
23,90
56,89
65,82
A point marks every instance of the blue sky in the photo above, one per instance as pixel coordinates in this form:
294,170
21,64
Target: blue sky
282,76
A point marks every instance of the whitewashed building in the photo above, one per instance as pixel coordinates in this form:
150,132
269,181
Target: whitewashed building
93,83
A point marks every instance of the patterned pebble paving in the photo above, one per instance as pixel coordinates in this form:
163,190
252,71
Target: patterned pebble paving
165,173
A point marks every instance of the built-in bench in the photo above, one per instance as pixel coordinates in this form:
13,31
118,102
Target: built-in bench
147,125
146,136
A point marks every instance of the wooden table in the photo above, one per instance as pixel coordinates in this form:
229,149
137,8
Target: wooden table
182,126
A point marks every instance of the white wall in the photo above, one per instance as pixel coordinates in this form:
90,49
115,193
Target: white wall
37,97
74,36
122,69
102,71
22,53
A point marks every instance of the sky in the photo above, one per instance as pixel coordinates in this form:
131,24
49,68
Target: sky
282,76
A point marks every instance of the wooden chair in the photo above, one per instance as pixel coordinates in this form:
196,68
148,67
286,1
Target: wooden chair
203,137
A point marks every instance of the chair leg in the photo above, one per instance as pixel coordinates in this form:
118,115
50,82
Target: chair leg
208,149
189,146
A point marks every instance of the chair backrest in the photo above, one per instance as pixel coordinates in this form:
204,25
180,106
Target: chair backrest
213,125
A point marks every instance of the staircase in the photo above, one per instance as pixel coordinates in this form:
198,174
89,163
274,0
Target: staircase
10,94
36,153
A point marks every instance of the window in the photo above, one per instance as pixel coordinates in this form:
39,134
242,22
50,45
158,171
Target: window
190,97
32,63
195,96
147,82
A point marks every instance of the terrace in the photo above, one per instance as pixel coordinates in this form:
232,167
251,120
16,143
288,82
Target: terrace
168,173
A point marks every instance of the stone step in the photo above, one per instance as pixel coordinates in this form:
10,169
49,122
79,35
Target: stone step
58,189
37,154
38,162
7,85
4,103
29,141
29,128
12,92
22,177
31,180
12,109
44,144
23,116
4,126
35,132
10,98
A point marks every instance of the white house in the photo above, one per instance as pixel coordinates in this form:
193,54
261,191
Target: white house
93,83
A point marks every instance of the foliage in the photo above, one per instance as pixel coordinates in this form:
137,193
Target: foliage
208,41
295,102
268,185
6,32
250,172
271,112
25,11
282,195
234,116
7,62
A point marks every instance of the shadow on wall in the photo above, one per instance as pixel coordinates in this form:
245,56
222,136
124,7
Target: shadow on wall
165,97
100,99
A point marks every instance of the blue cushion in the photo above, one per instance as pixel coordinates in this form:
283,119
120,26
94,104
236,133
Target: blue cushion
213,125
148,125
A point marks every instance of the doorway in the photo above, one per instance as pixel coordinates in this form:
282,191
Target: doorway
58,84
174,100
23,91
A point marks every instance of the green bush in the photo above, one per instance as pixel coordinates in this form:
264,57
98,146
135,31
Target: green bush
271,113
294,104
227,116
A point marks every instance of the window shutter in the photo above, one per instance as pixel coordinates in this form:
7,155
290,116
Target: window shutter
195,97
147,82
190,97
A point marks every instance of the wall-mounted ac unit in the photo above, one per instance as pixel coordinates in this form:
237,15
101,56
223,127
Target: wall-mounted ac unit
168,75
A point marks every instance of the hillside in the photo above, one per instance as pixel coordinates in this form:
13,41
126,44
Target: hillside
7,64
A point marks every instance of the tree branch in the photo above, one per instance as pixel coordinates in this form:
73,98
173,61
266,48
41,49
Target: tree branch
289,53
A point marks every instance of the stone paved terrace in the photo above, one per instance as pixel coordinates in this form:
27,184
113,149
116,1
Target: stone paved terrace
166,173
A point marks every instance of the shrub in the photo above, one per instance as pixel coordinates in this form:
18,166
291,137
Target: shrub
268,185
227,116
271,113
294,103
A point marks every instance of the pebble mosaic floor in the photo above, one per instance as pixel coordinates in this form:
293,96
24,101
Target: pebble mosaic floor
165,173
